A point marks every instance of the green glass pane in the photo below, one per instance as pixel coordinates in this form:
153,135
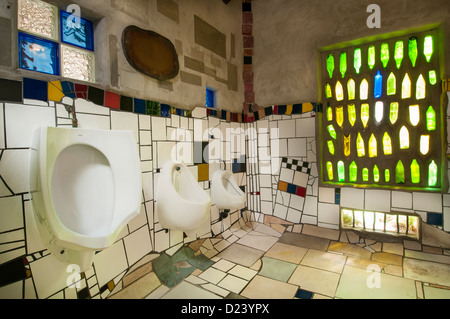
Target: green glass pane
329,113
400,173
330,171
331,147
365,114
414,114
391,84
340,115
365,174
387,175
339,91
343,63
341,171
412,50
371,58
431,119
330,65
404,138
406,87
393,114
387,144
432,77
352,114
328,92
398,53
420,88
351,89
432,174
360,148
364,90
384,56
332,131
357,60
347,143
428,47
373,152
376,174
415,172
353,172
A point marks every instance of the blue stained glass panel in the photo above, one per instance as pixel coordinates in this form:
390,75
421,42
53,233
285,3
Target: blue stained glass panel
77,31
210,98
36,54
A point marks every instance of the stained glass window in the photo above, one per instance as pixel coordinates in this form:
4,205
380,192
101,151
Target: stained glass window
42,30
210,98
384,118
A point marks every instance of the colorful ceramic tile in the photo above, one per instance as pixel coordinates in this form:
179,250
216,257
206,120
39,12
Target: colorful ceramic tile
297,109
291,189
139,106
96,96
203,172
13,271
35,89
68,89
81,91
55,92
289,109
165,110
301,191
434,219
307,107
126,103
112,100
304,294
282,186
268,111
10,91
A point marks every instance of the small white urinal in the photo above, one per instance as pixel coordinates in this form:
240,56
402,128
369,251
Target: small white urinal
225,192
181,203
85,187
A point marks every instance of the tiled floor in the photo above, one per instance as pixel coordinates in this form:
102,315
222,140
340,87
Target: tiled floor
279,261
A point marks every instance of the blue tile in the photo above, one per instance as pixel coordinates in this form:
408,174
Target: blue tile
165,110
304,294
35,89
434,219
139,106
291,189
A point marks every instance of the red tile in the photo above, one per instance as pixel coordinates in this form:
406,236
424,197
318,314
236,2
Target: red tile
112,100
301,191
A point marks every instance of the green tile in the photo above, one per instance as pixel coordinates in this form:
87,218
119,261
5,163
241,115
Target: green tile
277,269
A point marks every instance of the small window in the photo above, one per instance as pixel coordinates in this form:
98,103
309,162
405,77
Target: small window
210,98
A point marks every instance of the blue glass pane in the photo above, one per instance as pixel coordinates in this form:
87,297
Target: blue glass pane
378,91
210,98
77,31
37,54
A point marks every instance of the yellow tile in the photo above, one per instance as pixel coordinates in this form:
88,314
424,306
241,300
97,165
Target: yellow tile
55,92
289,109
307,107
203,172
282,186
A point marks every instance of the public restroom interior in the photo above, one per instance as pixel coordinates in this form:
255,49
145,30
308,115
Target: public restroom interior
261,68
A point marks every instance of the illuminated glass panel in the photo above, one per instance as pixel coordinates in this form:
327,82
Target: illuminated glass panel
330,65
39,18
393,114
387,175
424,144
398,53
329,113
339,91
330,171
365,114
379,111
341,171
38,54
431,119
428,47
387,144
332,131
432,77
351,89
365,174
357,60
364,90
406,87
415,172
371,57
404,138
412,50
347,146
400,173
391,84
378,88
353,172
432,174
373,151
414,114
331,148
340,115
420,88
343,63
77,31
376,174
352,114
328,92
384,56
360,148
77,64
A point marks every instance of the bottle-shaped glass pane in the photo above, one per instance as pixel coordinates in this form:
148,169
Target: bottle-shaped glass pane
347,144
428,48
420,88
332,131
414,114
357,60
341,171
378,88
398,53
432,174
384,56
340,115
351,89
376,174
391,84
424,144
393,114
415,172
364,90
352,114
387,175
329,113
371,57
339,91
365,174
406,87
400,173
365,115
331,147
404,138
373,151
343,63
379,111
353,172
432,77
431,119
412,50
387,144
330,65
360,147
328,92
330,171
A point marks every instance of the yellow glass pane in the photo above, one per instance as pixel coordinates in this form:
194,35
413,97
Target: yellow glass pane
360,147
340,115
387,144
373,152
347,140
406,87
351,89
365,115
364,90
352,114
339,91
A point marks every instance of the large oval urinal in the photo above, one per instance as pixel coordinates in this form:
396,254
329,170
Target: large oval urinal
181,203
225,192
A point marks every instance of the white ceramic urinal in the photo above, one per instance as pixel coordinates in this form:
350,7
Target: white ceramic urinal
225,192
181,203
86,186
